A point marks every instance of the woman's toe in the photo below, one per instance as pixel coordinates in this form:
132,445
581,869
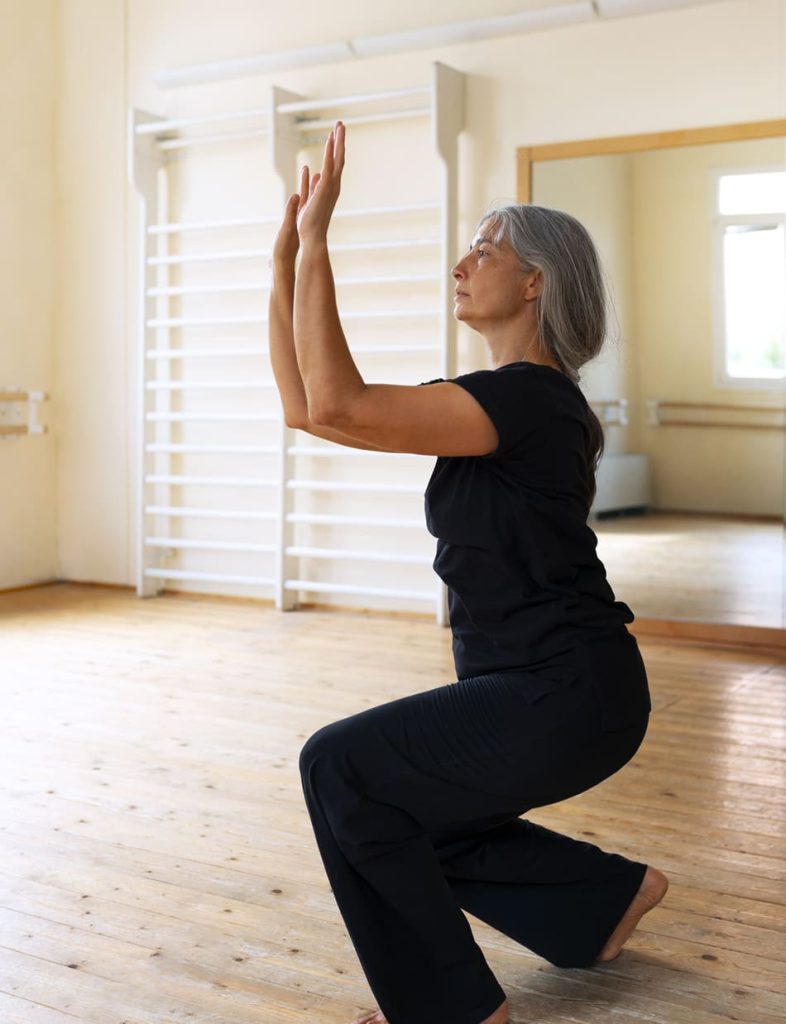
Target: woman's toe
374,1017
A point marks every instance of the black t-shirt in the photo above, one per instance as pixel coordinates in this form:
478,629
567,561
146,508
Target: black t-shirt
513,543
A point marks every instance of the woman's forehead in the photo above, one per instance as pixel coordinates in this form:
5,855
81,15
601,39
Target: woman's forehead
486,231
485,234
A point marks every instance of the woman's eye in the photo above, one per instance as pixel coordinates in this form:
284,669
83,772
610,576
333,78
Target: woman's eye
482,252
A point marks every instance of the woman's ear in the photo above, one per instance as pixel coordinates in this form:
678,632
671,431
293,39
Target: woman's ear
532,284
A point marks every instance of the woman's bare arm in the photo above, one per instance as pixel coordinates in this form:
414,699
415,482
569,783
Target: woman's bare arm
282,346
442,419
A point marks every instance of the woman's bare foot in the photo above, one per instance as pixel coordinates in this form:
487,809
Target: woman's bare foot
499,1016
651,891
375,1017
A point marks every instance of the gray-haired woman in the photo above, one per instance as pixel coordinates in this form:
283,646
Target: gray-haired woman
416,803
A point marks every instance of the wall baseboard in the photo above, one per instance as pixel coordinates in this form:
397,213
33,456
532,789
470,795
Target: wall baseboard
761,639
31,586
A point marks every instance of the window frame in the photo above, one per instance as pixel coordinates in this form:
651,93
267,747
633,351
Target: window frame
719,222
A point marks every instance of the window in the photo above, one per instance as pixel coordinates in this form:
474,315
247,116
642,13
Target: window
749,211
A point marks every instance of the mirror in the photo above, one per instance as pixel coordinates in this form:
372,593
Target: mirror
690,386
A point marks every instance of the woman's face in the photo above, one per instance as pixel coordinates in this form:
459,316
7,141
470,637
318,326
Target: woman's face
491,287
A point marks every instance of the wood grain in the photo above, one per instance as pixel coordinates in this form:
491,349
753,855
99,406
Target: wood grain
157,864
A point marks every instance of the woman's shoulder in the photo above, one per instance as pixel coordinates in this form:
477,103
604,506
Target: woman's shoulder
535,380
539,371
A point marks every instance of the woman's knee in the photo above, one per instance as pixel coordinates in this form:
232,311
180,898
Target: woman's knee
314,748
325,745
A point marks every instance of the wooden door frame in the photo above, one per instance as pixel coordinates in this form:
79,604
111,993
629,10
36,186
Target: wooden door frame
526,156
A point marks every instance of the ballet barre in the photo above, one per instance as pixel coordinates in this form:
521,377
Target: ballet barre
655,419
613,411
18,396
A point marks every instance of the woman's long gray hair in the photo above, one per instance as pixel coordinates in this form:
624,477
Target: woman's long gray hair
572,305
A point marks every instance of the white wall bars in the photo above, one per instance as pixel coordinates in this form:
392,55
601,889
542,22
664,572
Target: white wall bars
229,500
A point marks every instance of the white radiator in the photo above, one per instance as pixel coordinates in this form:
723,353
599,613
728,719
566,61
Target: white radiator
623,482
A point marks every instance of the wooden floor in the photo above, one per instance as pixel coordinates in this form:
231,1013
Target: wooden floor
157,864
701,568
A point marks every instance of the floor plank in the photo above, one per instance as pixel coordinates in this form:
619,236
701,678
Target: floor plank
157,864
693,565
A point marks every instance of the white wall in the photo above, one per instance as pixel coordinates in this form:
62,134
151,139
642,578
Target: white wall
711,64
27,227
92,312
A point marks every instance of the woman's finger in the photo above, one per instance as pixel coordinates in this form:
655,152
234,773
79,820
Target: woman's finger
340,140
287,210
327,160
304,185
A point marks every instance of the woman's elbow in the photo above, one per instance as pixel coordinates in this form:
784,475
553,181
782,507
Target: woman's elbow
307,422
321,417
334,407
326,414
297,419
296,416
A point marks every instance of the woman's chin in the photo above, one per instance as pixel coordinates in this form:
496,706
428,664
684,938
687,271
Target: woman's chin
461,316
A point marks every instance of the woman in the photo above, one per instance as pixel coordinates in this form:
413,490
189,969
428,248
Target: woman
415,803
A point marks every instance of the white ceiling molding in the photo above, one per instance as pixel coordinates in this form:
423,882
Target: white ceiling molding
470,31
241,67
429,37
625,8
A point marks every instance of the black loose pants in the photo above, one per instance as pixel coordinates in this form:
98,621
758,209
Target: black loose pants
415,807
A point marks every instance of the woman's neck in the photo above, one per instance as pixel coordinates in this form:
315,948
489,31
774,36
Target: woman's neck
517,343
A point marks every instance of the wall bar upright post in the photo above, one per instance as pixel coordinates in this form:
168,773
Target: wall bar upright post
285,143
145,164
448,114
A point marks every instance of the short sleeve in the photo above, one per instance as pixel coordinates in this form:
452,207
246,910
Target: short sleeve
437,380
511,399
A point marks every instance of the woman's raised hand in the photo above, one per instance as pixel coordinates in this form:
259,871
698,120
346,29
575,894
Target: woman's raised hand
287,242
319,197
